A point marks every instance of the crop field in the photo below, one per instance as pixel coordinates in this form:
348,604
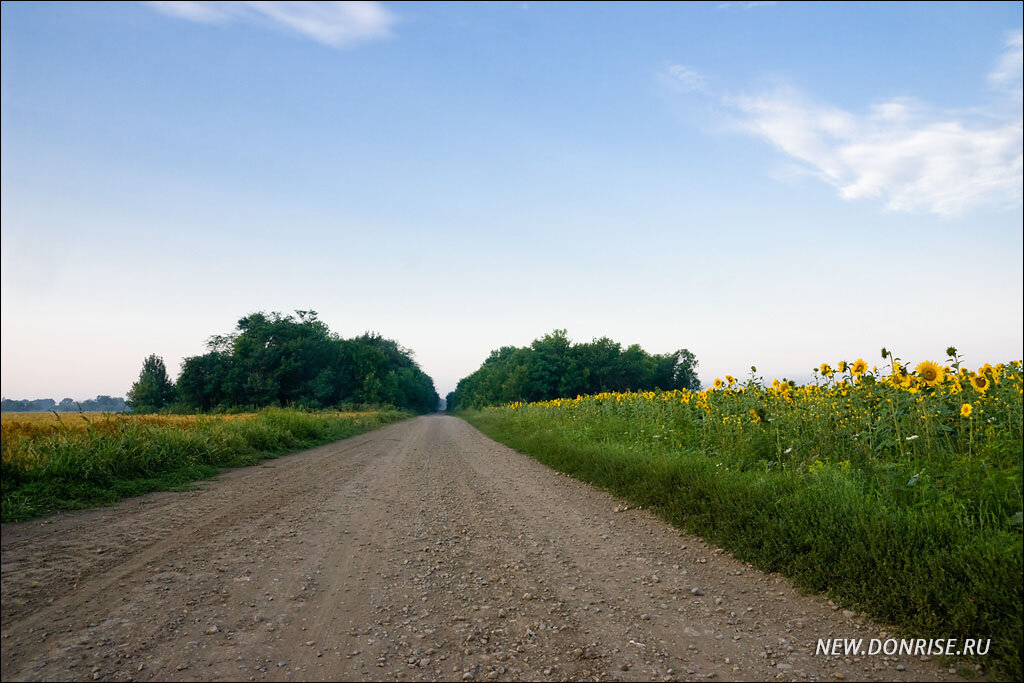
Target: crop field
36,423
896,490
71,460
31,424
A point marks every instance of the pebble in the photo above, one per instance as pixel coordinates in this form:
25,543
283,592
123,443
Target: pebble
697,591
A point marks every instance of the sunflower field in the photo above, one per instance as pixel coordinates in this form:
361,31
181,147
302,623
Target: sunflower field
897,490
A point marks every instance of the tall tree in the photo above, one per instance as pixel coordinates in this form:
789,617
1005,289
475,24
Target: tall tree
154,389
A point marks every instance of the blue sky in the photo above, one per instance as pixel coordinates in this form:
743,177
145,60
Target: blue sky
778,184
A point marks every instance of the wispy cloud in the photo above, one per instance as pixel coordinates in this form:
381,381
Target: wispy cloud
683,77
904,152
899,151
1007,74
338,24
746,5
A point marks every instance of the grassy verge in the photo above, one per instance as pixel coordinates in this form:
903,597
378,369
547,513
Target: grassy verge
71,465
916,566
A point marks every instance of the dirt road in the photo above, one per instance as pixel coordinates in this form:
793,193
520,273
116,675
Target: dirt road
421,551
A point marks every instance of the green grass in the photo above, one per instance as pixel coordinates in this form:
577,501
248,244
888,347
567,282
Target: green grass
66,469
917,566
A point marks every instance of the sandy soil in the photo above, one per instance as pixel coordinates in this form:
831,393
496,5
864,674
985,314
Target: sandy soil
420,551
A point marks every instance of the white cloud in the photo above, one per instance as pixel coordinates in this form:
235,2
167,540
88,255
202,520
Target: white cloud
338,24
685,77
205,12
1008,72
901,151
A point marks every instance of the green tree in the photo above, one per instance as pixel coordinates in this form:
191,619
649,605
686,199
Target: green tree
273,359
201,385
554,367
154,389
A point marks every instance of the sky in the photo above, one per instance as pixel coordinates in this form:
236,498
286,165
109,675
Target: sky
770,184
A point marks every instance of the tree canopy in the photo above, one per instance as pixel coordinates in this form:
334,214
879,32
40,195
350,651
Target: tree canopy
553,367
273,359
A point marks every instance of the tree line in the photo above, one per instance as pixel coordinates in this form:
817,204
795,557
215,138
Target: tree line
553,367
284,360
102,403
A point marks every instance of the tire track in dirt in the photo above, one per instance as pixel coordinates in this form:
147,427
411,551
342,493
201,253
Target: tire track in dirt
420,551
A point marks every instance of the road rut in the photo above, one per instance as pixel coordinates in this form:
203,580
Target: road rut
420,551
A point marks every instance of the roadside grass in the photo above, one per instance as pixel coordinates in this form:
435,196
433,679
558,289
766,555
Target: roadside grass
916,566
71,464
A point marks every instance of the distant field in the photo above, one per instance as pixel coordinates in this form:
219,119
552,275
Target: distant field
83,420
73,460
27,422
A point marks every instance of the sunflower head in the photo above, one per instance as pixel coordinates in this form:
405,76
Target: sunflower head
930,372
841,366
718,383
825,370
965,410
980,383
860,366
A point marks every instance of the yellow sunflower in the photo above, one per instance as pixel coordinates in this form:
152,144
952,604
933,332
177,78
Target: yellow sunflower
825,370
965,410
860,366
980,383
930,372
841,366
718,383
